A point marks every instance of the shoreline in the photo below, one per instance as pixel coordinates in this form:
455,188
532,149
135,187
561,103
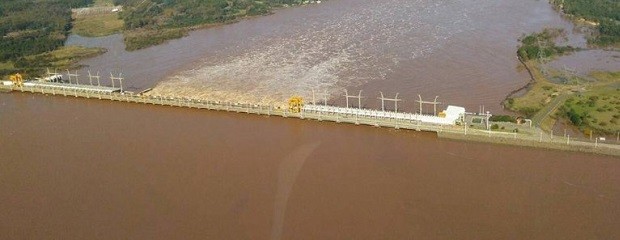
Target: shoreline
529,84
182,32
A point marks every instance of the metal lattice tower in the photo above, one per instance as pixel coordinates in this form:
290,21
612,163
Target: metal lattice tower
49,73
70,75
542,58
395,100
434,103
568,72
90,78
119,79
359,98
324,95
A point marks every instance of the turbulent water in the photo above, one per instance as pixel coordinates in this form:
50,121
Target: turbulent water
326,54
90,169
332,48
461,50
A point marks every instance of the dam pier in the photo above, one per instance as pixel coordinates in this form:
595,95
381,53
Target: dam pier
454,122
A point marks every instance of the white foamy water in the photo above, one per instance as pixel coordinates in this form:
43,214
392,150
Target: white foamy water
462,50
363,44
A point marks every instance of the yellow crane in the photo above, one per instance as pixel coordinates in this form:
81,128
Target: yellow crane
295,104
17,79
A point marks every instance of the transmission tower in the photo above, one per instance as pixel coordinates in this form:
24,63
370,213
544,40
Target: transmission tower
324,95
434,103
119,79
542,58
90,78
395,100
75,75
359,98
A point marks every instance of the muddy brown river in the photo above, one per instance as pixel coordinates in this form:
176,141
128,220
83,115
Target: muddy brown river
89,169
463,51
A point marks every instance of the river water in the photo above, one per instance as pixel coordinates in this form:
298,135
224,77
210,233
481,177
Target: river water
90,169
463,51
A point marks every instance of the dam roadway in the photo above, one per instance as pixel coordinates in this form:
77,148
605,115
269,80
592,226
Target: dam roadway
530,138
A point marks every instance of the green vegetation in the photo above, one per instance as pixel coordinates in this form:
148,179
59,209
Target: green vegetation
61,58
591,106
503,118
540,93
151,22
29,28
597,110
142,38
606,13
542,44
98,22
97,25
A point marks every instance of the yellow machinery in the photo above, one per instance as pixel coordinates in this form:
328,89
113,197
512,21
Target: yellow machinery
17,79
295,104
442,114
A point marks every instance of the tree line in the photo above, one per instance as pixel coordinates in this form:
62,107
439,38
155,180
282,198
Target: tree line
605,12
150,22
33,27
30,28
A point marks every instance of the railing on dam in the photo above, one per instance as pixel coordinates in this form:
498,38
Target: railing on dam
379,120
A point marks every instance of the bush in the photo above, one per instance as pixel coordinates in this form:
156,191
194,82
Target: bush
529,112
503,118
494,126
574,117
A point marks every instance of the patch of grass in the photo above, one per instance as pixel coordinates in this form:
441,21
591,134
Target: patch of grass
592,110
71,53
606,77
540,93
548,123
536,44
61,58
104,3
502,118
138,39
6,65
97,25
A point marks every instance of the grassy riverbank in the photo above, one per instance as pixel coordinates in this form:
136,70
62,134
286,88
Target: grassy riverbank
62,58
598,108
32,35
589,102
534,49
152,22
100,19
591,105
97,25
602,15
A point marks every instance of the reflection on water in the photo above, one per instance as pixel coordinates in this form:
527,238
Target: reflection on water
584,62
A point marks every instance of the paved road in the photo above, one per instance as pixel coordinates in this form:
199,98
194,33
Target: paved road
540,116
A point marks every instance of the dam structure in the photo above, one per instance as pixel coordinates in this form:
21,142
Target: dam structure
454,122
